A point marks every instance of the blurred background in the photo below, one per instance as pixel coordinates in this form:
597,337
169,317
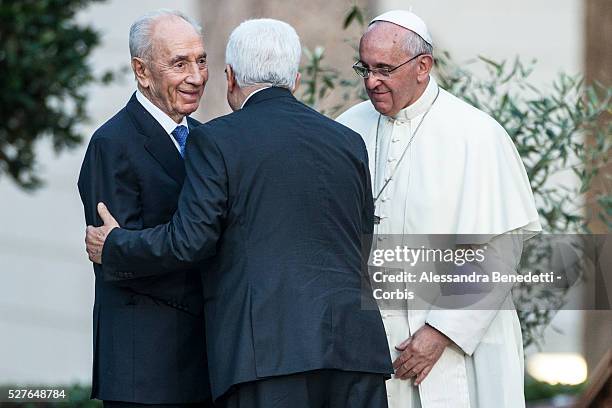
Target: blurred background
46,280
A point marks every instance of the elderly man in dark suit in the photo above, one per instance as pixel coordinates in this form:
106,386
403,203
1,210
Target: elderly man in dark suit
279,198
148,333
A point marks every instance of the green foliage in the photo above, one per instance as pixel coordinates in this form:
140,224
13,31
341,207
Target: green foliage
355,14
43,75
536,390
549,126
318,80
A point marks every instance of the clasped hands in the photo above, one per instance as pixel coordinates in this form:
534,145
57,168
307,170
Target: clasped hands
419,353
95,236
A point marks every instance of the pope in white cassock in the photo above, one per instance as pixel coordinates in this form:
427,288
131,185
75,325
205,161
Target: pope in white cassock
441,166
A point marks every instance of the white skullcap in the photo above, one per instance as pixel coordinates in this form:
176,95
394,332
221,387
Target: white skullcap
408,20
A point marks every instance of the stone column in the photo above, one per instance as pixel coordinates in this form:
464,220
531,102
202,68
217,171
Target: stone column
598,67
318,22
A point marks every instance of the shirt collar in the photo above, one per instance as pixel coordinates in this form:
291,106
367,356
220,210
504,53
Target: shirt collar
420,105
160,116
253,93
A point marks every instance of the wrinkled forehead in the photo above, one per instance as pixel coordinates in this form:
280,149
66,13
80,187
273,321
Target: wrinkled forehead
384,36
383,40
172,33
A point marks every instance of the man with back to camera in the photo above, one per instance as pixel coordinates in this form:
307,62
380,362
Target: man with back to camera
440,166
148,333
278,197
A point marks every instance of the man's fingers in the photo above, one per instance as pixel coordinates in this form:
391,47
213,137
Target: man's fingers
405,371
89,234
105,215
406,366
422,375
402,346
408,369
94,240
401,359
418,369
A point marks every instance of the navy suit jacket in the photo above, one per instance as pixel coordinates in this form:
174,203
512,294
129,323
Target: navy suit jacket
148,333
279,198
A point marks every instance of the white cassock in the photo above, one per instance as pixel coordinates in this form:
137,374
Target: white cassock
461,174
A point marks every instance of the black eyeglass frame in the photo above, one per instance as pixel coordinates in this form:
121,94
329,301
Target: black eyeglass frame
365,72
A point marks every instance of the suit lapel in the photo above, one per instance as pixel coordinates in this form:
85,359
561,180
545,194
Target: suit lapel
158,142
192,123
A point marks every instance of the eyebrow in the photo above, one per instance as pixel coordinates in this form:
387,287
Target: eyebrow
178,58
383,65
379,65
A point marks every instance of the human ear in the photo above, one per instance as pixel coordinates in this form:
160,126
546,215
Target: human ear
424,67
231,79
298,78
141,72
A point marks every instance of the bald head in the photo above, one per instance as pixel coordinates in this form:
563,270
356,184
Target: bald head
141,31
168,32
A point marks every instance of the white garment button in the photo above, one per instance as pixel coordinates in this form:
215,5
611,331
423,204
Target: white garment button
384,199
395,140
390,159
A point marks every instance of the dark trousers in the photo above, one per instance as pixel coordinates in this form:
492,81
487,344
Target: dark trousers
311,389
121,404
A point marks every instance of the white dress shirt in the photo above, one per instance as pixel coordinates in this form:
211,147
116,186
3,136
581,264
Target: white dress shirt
166,122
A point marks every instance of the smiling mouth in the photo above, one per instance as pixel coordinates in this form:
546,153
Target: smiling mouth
378,95
190,94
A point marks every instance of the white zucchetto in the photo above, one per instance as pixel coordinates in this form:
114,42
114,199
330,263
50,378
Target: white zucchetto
408,20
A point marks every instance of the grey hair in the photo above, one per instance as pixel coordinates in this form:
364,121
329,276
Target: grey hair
141,30
264,51
414,44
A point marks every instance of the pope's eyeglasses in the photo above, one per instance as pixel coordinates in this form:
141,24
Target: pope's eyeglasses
365,72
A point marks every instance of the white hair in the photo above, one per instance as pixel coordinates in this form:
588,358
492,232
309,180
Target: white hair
141,30
264,51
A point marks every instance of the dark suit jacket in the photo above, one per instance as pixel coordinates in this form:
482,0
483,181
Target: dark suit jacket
148,334
279,196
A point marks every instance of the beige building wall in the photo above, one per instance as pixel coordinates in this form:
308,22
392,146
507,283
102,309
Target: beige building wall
550,31
317,22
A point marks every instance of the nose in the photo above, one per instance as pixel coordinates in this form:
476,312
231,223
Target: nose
197,76
372,81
